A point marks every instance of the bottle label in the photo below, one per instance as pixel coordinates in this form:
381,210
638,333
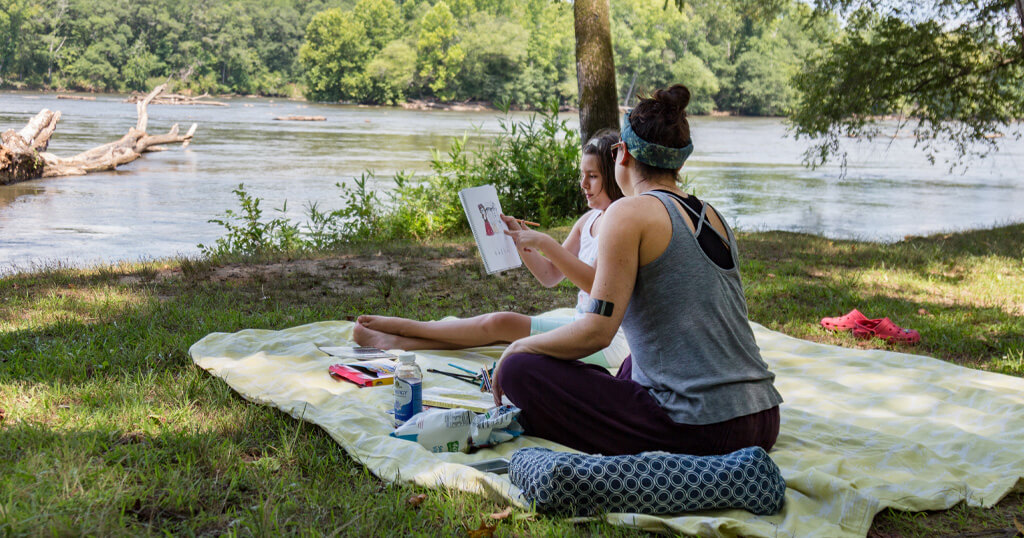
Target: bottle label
408,399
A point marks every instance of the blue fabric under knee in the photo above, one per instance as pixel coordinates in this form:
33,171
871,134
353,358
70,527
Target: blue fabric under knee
648,483
543,324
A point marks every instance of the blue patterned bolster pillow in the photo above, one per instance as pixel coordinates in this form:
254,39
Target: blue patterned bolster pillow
648,483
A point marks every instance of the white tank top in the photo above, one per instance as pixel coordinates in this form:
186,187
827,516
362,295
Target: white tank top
588,255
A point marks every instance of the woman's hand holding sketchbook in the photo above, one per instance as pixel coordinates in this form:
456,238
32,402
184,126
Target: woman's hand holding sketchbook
483,210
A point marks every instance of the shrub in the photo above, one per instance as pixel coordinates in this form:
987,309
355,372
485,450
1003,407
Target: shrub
533,164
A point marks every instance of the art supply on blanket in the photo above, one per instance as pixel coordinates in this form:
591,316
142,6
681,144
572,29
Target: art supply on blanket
455,399
460,430
370,373
408,388
471,379
357,352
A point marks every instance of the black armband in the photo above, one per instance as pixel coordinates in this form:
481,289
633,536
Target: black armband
601,308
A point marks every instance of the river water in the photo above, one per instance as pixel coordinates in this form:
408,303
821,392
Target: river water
160,205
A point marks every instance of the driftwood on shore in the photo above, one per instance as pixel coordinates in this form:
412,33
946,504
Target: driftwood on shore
23,153
300,118
176,99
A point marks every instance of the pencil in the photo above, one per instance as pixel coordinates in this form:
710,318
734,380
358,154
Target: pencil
527,222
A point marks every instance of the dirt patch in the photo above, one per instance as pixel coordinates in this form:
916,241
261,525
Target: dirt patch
349,273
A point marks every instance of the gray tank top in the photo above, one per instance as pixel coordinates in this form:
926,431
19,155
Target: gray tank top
687,328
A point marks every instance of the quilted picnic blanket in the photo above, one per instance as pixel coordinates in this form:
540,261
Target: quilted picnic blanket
862,430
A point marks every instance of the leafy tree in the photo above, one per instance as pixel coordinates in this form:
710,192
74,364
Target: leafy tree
439,54
15,29
382,20
390,73
549,72
701,81
495,49
954,67
333,56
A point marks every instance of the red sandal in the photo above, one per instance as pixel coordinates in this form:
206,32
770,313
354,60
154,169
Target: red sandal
844,323
886,330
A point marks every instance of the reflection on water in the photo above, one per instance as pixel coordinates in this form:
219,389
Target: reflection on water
160,204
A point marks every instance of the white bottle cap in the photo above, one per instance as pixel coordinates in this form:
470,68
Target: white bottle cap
408,356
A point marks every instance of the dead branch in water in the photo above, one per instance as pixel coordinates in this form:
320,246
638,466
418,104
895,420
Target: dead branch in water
23,153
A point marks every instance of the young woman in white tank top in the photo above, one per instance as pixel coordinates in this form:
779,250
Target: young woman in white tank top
547,260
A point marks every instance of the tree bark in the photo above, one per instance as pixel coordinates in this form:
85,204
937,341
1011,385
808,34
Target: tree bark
1020,15
23,153
595,68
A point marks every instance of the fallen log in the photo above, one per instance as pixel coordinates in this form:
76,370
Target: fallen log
300,118
176,99
23,153
76,97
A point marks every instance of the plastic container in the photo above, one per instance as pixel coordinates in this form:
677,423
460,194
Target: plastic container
408,388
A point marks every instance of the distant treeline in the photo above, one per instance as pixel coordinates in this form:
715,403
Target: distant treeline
519,52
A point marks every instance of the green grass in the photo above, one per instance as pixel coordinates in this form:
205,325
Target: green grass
107,428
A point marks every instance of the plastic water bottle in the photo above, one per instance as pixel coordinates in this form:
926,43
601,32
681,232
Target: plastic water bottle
408,388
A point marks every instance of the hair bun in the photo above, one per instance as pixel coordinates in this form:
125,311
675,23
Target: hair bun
674,99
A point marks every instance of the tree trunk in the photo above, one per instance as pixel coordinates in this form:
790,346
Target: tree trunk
595,68
1020,14
23,153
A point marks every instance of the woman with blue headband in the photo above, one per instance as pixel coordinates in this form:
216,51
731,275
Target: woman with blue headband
668,273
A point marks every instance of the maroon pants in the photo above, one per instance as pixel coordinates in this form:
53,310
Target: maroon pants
584,407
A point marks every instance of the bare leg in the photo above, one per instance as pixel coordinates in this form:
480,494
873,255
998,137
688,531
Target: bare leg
369,337
496,327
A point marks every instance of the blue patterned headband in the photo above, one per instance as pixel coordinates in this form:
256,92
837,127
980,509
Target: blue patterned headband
650,153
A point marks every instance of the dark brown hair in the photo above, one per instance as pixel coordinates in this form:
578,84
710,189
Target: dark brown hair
661,119
601,145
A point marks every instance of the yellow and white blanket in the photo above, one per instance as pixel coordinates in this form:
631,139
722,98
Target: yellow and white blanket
861,430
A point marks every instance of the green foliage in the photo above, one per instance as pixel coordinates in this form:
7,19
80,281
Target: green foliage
735,55
495,47
381,19
390,73
535,167
954,68
534,164
439,55
248,234
333,56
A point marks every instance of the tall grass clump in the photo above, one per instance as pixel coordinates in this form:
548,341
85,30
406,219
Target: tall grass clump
533,164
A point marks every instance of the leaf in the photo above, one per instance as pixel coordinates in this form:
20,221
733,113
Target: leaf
485,531
503,514
416,500
1020,527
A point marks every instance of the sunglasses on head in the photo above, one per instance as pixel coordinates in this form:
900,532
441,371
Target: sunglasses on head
615,148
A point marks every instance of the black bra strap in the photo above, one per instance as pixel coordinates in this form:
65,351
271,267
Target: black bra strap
717,250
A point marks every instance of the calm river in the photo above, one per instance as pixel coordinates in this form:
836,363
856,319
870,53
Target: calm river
159,205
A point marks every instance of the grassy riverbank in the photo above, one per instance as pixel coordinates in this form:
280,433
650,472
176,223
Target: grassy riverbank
106,427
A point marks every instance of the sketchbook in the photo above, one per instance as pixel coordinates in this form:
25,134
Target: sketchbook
482,208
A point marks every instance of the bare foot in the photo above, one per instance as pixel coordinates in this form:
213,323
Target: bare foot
386,324
368,337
